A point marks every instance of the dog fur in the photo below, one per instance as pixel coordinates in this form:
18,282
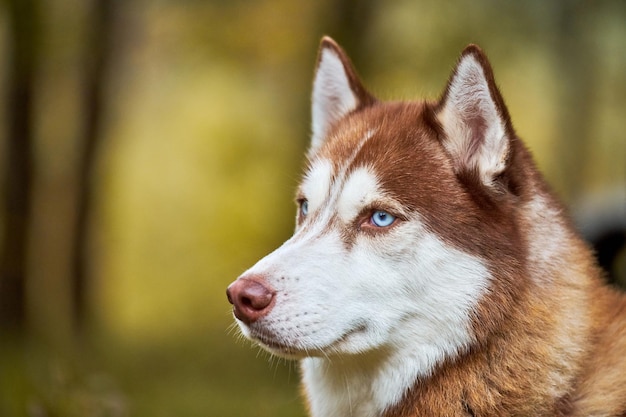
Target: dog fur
432,272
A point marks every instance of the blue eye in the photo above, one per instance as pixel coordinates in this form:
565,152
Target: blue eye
304,207
381,218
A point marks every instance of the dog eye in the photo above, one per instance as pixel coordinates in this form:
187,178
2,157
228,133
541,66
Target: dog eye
381,218
304,207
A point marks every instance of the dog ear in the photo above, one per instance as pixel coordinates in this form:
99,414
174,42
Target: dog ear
474,118
337,90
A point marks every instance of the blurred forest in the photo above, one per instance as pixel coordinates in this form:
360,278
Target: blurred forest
149,150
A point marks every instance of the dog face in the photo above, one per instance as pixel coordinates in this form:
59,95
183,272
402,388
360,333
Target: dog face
390,247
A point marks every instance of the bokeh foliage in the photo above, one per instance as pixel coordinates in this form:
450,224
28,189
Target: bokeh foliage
204,124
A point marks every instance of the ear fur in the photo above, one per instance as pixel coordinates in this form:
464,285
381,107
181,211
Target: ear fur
337,90
474,118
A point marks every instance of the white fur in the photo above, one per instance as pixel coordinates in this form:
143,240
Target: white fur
316,183
370,318
545,249
360,189
424,319
332,96
468,98
316,186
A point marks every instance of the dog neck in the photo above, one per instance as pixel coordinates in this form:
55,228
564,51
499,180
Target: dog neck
340,387
367,384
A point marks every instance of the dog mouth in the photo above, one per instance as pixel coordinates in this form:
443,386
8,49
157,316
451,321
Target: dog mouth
277,345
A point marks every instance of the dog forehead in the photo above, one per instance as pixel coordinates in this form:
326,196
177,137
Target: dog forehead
361,188
346,189
385,154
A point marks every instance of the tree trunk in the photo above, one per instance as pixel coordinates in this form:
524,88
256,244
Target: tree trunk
23,19
97,56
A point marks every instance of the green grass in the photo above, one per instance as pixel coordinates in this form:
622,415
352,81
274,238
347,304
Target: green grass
212,375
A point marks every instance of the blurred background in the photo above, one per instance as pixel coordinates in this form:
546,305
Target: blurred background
150,149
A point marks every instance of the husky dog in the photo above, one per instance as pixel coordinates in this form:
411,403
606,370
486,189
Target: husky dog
432,272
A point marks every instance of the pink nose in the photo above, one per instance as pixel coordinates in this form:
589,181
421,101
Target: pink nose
250,298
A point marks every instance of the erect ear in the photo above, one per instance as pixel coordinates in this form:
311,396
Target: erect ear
474,118
337,90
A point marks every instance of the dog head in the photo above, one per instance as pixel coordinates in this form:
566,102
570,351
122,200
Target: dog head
404,228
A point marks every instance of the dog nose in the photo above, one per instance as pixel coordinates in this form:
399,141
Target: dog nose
251,299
